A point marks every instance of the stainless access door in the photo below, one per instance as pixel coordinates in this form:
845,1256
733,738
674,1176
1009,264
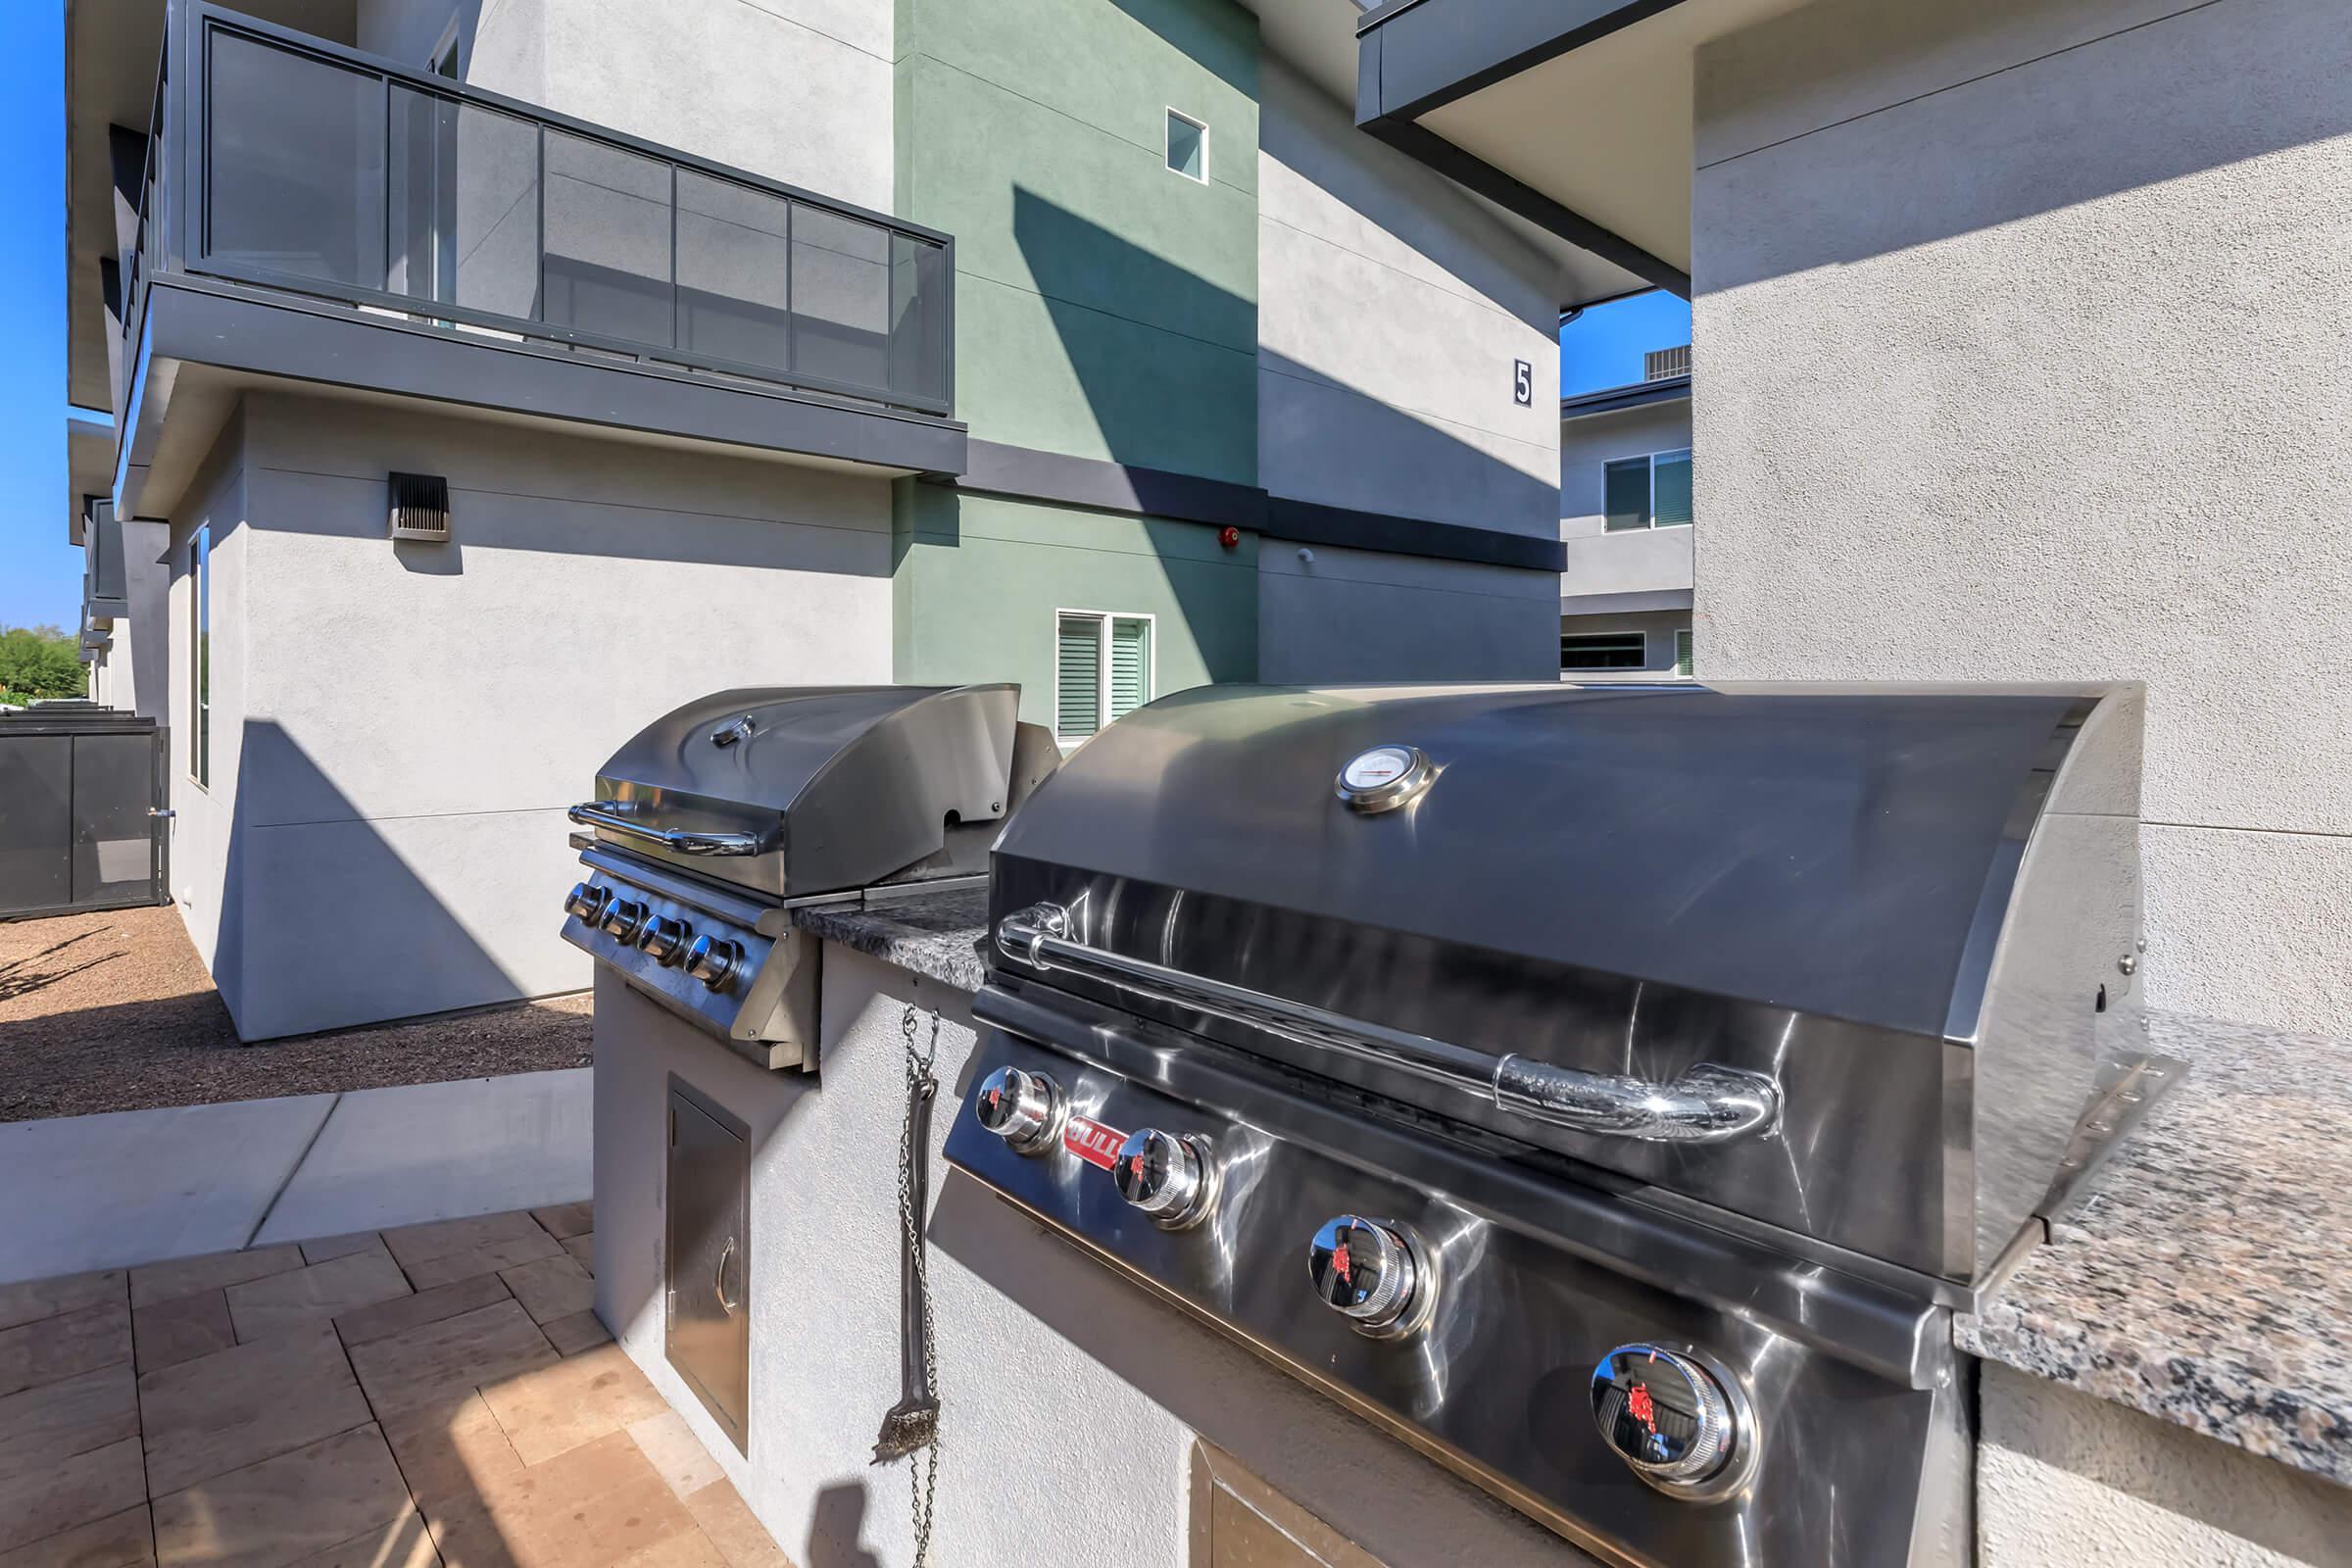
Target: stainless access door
708,1256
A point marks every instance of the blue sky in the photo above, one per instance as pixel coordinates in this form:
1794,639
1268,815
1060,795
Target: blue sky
40,574
1604,347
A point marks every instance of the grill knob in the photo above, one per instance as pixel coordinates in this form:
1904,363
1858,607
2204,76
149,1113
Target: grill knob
664,939
1024,1109
587,902
1363,1269
624,918
714,961
1665,1414
1164,1175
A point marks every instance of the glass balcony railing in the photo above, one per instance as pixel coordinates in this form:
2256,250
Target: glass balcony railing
318,170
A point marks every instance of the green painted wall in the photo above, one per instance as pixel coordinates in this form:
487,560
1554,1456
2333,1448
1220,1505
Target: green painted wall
1105,308
980,579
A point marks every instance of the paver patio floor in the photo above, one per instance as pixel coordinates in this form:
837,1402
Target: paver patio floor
440,1393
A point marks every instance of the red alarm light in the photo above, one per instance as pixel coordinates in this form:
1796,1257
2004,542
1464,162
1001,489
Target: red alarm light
1229,536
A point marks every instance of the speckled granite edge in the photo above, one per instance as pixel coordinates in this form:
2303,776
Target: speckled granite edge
2208,1280
941,937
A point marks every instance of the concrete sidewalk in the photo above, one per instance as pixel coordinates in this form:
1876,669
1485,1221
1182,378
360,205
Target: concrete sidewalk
83,1193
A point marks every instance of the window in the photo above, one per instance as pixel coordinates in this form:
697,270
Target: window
200,657
1102,671
1188,146
1653,491
1608,649
1682,651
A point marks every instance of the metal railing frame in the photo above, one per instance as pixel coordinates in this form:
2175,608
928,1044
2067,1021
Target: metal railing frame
174,184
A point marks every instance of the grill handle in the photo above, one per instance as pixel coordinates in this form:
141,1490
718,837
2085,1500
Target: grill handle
1705,1103
594,813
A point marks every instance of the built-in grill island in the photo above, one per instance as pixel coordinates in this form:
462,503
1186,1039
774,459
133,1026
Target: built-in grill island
720,818
710,828
1610,1090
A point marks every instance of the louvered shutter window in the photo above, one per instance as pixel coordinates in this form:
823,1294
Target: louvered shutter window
1078,677
1130,665
1682,652
1626,493
1670,489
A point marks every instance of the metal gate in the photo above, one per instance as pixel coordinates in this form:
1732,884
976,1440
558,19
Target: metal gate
83,812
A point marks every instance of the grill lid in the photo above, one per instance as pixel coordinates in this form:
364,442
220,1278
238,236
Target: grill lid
1831,958
1814,848
813,789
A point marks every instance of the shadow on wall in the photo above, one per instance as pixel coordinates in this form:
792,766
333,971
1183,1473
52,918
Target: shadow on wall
323,925
2135,109
1069,256
834,1531
1184,26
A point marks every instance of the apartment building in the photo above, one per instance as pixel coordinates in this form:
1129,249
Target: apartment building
1626,520
487,376
1977,288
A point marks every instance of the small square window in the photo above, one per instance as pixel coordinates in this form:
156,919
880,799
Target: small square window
1188,146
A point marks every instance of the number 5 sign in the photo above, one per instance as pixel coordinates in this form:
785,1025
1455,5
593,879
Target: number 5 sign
1523,382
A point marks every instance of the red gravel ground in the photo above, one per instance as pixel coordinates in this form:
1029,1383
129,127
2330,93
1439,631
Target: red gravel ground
114,1012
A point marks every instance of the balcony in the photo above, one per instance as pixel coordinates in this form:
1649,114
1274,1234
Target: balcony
283,169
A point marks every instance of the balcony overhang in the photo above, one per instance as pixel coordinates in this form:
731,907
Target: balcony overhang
204,343
111,47
90,467
1574,114
1614,399
452,246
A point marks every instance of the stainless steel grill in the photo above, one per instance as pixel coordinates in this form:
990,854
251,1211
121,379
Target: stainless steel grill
718,818
1642,1074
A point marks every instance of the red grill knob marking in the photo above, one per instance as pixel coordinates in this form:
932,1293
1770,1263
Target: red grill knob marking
1637,1401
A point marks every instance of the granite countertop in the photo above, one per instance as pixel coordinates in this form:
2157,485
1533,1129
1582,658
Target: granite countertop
2208,1278
940,935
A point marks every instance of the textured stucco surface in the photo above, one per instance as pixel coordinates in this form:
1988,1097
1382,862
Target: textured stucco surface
2064,1480
399,727
1361,614
2002,363
204,883
1110,1388
798,90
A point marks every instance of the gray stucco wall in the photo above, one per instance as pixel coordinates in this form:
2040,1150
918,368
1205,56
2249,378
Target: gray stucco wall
405,724
1107,1385
142,652
204,882
1631,561
2024,360
798,90
2064,1480
1390,313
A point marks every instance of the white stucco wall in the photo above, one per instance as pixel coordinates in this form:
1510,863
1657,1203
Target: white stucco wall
411,719
797,90
2024,360
1069,1397
1390,313
2064,1480
204,884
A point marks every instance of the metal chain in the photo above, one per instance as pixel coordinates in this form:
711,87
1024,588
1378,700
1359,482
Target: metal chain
919,1064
